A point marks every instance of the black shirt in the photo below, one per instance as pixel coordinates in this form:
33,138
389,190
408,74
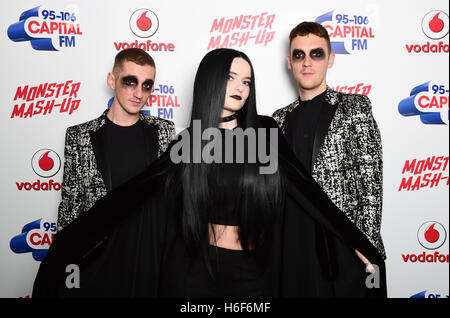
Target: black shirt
125,151
301,127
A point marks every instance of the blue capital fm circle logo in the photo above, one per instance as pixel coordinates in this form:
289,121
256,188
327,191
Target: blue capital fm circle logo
47,29
429,101
349,33
35,238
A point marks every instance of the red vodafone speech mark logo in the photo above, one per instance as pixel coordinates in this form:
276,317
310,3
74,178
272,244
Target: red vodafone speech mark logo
144,23
435,24
45,163
431,235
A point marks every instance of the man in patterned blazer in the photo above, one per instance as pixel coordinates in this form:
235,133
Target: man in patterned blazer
105,152
333,134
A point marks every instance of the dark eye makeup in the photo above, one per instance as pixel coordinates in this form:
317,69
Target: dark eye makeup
132,82
315,54
147,86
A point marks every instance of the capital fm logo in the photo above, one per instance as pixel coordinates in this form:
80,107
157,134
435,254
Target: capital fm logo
429,101
35,238
144,23
349,32
431,236
45,163
47,29
435,26
427,294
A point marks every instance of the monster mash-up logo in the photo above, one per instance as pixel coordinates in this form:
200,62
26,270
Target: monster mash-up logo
428,173
349,33
429,101
45,99
360,88
47,29
35,238
238,31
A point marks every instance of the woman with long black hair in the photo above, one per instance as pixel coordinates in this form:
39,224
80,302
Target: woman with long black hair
213,218
228,207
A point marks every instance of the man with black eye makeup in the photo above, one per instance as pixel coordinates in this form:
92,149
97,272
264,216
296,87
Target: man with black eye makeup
335,137
105,152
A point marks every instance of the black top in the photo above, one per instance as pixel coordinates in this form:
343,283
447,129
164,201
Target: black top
124,150
301,127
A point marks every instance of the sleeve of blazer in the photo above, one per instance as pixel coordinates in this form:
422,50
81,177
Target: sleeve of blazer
369,170
169,133
69,208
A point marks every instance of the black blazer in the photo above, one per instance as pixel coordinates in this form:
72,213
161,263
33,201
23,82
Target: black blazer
348,159
86,177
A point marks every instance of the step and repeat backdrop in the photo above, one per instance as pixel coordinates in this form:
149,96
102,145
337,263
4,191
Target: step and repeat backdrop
56,56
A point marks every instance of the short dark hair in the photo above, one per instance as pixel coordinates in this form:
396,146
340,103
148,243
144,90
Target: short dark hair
135,55
306,27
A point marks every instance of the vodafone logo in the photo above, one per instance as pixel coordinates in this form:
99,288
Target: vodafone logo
144,23
431,235
435,24
46,163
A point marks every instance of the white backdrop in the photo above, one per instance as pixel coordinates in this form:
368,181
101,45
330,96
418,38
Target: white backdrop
60,80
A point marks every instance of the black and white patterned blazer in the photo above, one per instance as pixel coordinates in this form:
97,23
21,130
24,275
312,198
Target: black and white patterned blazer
347,159
84,179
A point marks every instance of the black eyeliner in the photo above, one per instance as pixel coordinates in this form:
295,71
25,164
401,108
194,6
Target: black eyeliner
129,80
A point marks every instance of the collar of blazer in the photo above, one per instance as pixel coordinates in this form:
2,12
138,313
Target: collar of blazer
97,123
331,97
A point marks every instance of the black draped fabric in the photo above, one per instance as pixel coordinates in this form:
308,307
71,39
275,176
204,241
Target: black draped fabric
129,244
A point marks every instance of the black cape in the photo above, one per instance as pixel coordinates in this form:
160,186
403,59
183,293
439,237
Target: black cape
129,243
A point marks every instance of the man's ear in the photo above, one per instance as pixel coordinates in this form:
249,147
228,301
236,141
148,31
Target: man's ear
331,60
111,80
289,62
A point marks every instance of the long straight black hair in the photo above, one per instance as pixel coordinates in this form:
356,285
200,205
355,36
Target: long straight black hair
260,194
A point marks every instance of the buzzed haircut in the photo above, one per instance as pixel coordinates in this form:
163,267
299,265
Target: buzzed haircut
305,28
135,55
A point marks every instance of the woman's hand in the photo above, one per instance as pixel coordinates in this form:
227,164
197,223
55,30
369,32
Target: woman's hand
369,266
